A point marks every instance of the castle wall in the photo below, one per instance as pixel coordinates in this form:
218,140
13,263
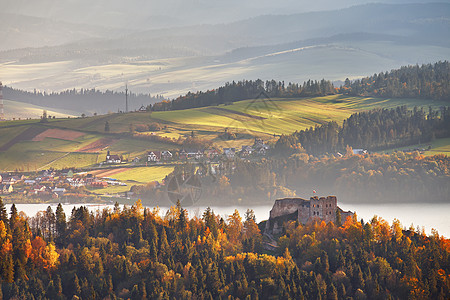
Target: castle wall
287,206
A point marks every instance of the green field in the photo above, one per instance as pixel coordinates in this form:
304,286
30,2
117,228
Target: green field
142,175
136,176
264,118
438,146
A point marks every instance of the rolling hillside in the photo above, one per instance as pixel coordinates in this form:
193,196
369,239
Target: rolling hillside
21,110
31,145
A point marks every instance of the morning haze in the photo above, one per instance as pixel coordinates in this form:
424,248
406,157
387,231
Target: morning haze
195,149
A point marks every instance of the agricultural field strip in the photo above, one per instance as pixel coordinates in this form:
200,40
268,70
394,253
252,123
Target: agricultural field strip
136,175
51,162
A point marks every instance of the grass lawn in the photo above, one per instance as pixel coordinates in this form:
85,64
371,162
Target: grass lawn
439,146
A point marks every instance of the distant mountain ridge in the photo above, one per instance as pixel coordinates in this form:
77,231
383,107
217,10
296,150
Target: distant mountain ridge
335,44
411,20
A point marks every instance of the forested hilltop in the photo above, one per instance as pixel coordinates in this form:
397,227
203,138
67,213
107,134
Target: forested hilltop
430,81
134,253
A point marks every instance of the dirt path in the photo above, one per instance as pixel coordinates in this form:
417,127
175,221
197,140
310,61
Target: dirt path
56,159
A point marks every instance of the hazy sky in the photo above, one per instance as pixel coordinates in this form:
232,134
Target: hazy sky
111,12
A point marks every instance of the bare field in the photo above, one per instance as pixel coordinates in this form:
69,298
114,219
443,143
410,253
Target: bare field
68,135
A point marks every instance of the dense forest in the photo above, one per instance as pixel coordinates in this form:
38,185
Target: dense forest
373,130
91,100
134,253
430,81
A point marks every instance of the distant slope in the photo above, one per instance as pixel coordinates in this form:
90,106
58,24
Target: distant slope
21,110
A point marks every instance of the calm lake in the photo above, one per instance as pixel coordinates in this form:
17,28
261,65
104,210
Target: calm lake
429,216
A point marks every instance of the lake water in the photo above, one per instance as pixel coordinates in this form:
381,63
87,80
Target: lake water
429,216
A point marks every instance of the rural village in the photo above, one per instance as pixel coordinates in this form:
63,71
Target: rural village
65,184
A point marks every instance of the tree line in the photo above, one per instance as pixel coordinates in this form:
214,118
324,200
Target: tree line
92,100
428,81
247,89
135,253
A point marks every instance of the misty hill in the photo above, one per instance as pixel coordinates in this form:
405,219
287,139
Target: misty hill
351,42
81,101
138,14
19,31
417,21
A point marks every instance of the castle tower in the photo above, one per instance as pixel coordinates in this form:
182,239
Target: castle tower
2,112
323,208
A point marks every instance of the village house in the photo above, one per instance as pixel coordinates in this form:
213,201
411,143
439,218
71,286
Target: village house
166,155
6,189
229,152
154,156
142,108
246,151
195,155
359,151
29,181
99,184
183,155
59,191
260,147
113,158
212,153
89,179
39,189
76,182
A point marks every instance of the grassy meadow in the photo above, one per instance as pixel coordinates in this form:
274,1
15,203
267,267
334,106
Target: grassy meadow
132,176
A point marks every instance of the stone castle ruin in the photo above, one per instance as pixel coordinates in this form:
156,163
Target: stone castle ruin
302,210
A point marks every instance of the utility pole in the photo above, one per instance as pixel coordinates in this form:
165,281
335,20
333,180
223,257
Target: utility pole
126,98
2,112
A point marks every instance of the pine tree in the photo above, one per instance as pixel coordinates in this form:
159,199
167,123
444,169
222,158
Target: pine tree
14,217
3,212
76,288
61,224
